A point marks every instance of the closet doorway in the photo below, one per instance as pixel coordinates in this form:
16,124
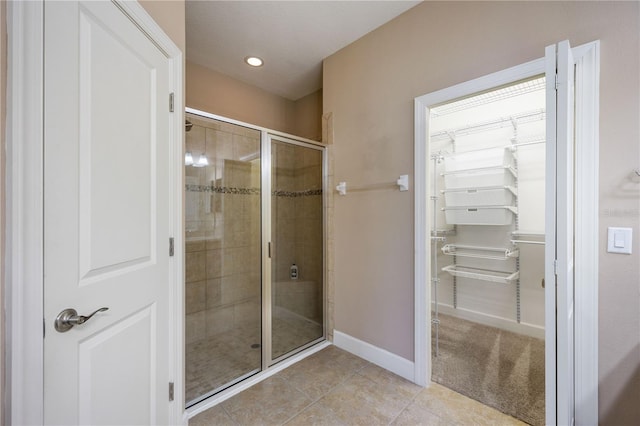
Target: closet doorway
488,243
496,192
254,260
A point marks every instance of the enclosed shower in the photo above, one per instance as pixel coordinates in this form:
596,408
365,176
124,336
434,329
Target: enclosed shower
254,232
487,195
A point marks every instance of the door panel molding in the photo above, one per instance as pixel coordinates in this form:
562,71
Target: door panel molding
92,353
24,243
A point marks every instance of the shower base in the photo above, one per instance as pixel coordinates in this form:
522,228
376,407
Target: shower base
215,362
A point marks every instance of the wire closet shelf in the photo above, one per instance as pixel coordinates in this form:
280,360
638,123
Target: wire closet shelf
480,252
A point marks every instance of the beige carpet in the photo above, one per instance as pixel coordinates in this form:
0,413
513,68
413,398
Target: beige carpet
501,369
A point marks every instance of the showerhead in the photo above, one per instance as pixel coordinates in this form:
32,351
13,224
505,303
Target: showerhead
187,125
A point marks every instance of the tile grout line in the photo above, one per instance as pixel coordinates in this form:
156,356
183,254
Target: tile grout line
315,401
295,388
224,410
307,377
411,400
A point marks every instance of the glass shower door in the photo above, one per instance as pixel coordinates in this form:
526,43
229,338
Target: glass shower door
297,256
254,255
223,256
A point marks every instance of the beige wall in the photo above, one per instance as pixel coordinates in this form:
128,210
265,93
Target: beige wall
308,116
219,94
169,14
369,88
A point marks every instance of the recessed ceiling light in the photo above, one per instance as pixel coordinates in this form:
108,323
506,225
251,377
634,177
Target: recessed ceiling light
254,61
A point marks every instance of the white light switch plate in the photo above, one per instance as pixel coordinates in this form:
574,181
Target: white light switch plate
619,240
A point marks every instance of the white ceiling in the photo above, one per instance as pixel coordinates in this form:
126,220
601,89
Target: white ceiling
292,37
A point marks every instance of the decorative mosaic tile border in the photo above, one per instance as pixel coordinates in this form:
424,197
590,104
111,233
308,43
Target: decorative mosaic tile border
222,189
304,193
250,191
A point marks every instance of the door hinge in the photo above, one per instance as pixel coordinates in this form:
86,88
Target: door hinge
269,249
171,247
171,102
557,83
170,391
555,267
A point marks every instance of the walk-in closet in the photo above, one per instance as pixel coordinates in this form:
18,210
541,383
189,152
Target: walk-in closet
487,194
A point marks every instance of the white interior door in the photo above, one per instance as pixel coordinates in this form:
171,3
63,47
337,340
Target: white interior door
106,217
559,252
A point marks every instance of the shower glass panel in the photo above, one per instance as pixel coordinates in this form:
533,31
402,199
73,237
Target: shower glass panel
297,241
223,256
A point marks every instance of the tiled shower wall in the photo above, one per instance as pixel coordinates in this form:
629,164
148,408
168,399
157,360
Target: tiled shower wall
298,229
222,231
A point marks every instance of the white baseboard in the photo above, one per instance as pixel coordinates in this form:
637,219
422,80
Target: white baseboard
493,321
380,357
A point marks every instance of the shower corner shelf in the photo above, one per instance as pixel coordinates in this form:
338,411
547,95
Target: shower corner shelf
480,252
482,274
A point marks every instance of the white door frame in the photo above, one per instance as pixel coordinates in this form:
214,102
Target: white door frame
586,219
24,402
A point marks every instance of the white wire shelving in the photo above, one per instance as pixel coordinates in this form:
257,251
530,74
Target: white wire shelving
491,275
480,252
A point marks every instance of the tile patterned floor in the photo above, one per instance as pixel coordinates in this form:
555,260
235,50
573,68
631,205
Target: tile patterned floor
333,387
216,361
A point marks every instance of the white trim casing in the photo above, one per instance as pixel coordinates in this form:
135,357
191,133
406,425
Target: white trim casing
587,176
176,217
550,298
421,240
24,244
177,295
378,356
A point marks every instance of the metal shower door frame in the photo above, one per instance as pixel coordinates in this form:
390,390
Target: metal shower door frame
271,366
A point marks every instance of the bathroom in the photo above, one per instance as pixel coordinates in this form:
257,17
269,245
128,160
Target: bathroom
370,100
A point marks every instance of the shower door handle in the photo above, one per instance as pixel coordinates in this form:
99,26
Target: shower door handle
69,317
